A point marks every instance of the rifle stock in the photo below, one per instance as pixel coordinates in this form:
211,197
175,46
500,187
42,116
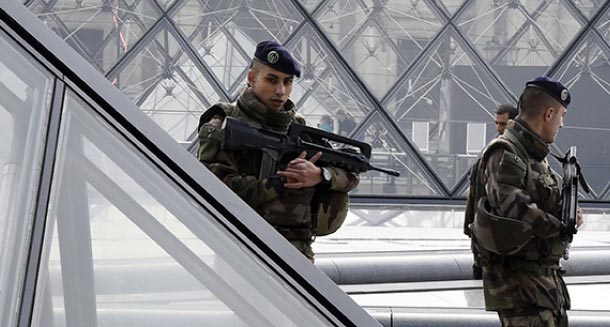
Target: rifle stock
238,135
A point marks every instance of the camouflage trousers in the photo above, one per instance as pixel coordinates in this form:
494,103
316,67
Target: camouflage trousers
304,246
533,318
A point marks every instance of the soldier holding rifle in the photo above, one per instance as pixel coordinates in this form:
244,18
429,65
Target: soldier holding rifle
298,196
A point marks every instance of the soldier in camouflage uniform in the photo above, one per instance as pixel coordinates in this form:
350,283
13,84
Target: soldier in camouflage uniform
516,230
288,200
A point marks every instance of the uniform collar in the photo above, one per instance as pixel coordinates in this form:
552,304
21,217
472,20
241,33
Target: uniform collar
518,131
268,118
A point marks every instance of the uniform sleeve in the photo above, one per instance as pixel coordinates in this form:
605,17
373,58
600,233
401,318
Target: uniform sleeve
224,165
343,180
252,190
505,173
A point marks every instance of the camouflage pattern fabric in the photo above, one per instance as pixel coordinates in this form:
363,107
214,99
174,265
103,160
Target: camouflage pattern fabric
519,185
532,318
289,211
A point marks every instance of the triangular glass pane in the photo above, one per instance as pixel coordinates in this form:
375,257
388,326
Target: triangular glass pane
167,85
229,56
101,31
451,6
445,106
325,88
175,107
519,39
391,152
586,75
26,94
310,5
225,33
165,4
603,25
123,236
380,39
588,7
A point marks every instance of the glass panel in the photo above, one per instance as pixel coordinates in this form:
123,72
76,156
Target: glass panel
225,33
380,38
587,7
125,246
310,4
451,5
165,3
448,90
390,153
520,39
475,139
587,76
101,31
166,84
324,87
25,94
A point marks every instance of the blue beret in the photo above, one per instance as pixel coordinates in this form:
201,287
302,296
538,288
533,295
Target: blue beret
553,87
277,57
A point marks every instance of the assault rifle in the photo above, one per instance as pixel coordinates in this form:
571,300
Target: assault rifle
572,175
239,136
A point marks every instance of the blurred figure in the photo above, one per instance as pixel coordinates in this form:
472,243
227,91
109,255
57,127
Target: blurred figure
326,123
504,112
345,122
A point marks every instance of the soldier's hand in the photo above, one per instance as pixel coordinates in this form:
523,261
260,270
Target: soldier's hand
302,172
579,217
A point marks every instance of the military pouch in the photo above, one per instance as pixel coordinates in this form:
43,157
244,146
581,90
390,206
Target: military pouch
331,212
497,234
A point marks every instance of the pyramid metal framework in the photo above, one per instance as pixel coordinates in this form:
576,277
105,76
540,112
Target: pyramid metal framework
420,78
107,221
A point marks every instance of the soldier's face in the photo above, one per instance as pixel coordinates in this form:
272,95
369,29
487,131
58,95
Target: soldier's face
271,87
501,121
553,123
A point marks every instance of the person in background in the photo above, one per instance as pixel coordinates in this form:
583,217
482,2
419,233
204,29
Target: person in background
504,112
345,122
326,123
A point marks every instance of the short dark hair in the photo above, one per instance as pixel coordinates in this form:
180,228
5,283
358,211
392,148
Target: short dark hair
509,109
533,101
326,117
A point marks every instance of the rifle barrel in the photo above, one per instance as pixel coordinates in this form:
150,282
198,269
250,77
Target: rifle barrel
384,170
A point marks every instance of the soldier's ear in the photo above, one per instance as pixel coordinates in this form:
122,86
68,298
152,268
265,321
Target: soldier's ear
548,113
251,76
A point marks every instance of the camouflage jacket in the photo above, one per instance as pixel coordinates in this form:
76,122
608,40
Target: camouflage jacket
519,184
288,210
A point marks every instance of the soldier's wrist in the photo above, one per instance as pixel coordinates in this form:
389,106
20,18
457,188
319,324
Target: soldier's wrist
326,178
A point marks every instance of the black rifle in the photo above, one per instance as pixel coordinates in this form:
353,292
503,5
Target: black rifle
572,175
238,135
